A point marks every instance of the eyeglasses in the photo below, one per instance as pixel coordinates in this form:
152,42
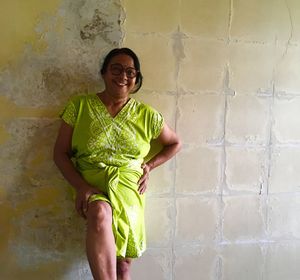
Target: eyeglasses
117,69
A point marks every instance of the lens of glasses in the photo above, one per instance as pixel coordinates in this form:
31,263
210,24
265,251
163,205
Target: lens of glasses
130,72
117,69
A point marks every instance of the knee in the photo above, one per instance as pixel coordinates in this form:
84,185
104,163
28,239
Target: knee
123,267
99,215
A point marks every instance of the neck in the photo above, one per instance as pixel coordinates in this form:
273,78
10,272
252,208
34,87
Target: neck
113,104
112,100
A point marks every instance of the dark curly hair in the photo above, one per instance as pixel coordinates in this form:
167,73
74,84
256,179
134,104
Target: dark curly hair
129,52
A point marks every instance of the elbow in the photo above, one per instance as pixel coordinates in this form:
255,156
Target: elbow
175,145
178,145
58,156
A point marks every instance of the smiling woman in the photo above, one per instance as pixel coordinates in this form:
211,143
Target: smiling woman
108,135
118,83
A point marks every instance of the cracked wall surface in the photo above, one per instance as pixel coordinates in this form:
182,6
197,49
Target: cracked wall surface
225,74
228,72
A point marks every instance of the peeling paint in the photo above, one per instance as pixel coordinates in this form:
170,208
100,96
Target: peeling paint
97,27
51,77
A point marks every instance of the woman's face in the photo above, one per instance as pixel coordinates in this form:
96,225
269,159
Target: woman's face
120,75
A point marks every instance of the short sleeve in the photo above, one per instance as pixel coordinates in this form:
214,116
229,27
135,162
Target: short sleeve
69,114
157,124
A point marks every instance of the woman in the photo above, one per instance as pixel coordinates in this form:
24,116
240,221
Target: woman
107,135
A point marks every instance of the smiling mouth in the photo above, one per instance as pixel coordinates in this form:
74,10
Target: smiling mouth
121,84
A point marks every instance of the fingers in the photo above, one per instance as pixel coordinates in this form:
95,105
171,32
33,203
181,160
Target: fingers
81,204
142,189
143,182
85,205
80,208
144,179
82,201
84,208
145,175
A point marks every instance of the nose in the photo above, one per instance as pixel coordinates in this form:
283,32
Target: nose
123,75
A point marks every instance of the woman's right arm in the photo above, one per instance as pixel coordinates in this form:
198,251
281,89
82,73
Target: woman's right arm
62,157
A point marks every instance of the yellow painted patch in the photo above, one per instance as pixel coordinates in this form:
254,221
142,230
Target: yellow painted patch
6,214
18,20
48,195
3,194
4,136
37,160
53,269
43,197
9,110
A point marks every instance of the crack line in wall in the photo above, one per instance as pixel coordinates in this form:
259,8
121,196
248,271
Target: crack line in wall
265,191
230,19
291,28
223,184
178,52
122,18
271,138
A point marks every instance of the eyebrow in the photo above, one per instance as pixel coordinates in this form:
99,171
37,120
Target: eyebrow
119,64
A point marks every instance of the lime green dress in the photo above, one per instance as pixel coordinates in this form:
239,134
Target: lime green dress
109,152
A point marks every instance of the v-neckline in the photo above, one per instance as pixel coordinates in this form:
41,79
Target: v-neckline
119,114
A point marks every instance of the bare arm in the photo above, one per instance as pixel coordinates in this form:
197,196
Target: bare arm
62,158
171,146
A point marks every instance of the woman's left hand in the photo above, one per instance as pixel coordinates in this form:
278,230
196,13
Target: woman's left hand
144,179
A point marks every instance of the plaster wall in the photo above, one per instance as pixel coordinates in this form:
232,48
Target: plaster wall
225,74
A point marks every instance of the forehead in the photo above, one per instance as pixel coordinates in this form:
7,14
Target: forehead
123,59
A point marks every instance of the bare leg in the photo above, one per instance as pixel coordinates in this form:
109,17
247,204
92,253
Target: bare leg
100,242
123,269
